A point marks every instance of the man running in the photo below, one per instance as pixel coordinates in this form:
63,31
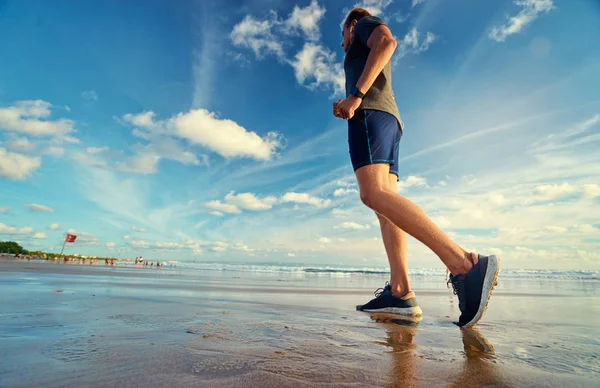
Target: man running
374,132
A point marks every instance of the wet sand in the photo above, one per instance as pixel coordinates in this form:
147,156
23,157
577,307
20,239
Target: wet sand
84,326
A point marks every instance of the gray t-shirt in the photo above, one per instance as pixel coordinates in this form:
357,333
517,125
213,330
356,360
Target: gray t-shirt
380,96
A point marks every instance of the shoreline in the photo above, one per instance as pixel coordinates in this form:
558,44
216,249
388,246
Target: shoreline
116,326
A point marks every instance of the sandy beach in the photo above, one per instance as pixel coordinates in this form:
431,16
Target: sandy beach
96,326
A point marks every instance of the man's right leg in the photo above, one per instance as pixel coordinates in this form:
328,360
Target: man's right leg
474,276
405,214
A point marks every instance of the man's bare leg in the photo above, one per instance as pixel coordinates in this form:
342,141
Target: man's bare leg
373,182
394,240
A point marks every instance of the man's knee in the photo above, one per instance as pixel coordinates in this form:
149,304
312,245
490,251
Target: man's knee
370,196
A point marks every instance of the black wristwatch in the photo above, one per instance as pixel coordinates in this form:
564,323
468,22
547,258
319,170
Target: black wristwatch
357,93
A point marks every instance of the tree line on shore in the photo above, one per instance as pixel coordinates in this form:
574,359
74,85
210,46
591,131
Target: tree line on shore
14,248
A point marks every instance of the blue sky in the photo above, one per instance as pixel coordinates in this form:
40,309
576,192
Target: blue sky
204,132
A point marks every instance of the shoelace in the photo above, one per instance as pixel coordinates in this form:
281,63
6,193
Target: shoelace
380,290
458,288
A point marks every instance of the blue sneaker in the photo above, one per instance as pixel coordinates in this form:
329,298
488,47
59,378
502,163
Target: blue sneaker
386,302
475,288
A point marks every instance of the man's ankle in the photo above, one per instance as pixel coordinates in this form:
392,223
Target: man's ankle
469,260
402,293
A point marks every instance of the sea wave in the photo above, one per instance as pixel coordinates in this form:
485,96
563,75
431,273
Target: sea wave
380,271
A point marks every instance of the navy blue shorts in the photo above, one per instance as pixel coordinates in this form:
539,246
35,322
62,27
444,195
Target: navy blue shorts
374,137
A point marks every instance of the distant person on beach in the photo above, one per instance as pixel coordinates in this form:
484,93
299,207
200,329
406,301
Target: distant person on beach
374,132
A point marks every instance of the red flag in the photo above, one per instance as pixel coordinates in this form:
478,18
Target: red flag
70,238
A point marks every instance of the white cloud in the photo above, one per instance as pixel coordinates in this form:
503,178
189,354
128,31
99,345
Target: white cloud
415,2
17,166
54,151
591,191
216,213
584,228
257,36
96,150
343,191
530,10
19,144
555,229
338,212
139,244
413,44
222,207
411,181
315,66
5,209
324,240
110,245
39,235
441,221
10,230
53,227
474,213
144,119
26,117
139,164
126,237
375,7
345,183
306,20
352,225
305,199
497,199
242,247
220,246
291,254
400,18
164,147
553,191
136,229
89,95
34,207
250,201
204,128
167,245
85,238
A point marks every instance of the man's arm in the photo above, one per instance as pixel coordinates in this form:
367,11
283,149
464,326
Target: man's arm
382,45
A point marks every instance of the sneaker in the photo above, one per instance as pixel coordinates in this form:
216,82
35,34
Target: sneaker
475,288
386,302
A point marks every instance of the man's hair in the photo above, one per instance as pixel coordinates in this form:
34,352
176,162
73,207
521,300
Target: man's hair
356,14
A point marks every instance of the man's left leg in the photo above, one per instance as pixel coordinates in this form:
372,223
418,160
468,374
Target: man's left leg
394,240
396,297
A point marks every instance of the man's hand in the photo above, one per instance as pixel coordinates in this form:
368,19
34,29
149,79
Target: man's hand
336,109
348,107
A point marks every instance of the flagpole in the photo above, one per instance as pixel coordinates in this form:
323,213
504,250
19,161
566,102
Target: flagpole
63,248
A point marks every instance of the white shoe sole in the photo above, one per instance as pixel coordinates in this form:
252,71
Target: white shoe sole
489,282
407,311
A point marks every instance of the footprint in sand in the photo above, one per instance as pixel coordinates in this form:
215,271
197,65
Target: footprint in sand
77,349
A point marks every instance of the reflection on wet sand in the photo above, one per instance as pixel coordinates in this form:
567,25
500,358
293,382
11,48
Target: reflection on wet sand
479,369
400,338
